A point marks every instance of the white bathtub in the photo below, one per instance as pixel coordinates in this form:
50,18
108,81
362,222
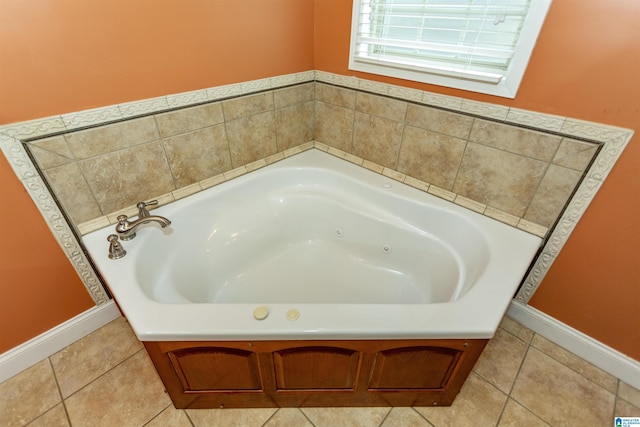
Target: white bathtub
326,250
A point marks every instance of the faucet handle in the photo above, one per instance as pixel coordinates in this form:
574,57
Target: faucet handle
115,248
142,208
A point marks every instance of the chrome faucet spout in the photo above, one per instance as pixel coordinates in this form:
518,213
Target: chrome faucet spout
127,229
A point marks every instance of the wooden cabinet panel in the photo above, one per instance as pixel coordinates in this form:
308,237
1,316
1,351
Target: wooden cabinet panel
414,368
316,368
216,368
235,374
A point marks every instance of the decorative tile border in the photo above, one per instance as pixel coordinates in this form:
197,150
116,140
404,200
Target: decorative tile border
613,140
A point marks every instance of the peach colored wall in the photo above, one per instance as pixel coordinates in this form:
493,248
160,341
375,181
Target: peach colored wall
585,65
59,56
39,288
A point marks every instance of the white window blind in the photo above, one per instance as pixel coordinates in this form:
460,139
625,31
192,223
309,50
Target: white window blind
469,40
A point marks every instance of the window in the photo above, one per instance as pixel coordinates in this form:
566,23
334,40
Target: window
477,45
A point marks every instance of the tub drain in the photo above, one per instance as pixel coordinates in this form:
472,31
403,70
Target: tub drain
386,249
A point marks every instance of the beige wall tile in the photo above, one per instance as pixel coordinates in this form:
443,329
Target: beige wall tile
341,97
574,154
294,95
295,124
130,394
251,138
188,119
552,194
497,178
125,177
529,143
28,394
260,125
198,154
440,121
559,395
48,159
430,156
73,192
497,214
88,358
334,125
470,204
377,139
51,152
106,139
247,105
381,106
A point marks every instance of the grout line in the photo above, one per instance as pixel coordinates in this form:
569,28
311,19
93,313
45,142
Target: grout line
306,416
157,415
188,417
551,356
270,417
62,399
104,373
386,416
421,416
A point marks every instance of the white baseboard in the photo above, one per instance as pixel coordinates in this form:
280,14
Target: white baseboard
591,350
44,345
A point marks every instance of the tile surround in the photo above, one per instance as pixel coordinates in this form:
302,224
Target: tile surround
337,97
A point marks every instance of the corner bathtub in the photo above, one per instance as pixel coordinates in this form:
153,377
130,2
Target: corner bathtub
316,250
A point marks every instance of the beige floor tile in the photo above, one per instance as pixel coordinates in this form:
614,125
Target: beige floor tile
85,360
170,417
230,417
628,393
515,415
559,395
131,394
478,404
346,417
27,395
626,409
501,360
405,417
54,417
288,417
581,366
515,328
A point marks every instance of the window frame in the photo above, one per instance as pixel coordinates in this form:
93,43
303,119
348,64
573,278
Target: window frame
507,87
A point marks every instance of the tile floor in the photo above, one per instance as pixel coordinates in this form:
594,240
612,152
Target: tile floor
522,379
